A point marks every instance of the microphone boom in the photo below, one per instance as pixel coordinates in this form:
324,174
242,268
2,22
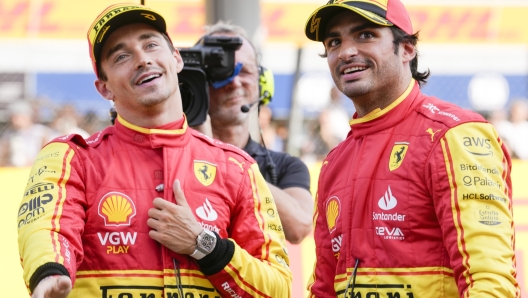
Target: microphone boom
246,108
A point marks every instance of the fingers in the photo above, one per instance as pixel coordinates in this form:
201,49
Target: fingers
178,194
156,212
53,286
63,286
160,203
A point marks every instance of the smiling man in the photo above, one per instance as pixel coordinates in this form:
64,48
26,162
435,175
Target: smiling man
147,207
416,202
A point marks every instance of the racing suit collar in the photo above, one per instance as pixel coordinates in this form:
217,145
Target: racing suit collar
174,134
380,119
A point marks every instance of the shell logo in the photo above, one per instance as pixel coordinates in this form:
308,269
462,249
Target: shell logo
333,207
117,209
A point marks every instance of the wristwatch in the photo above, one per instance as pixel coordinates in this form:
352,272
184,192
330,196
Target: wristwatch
205,243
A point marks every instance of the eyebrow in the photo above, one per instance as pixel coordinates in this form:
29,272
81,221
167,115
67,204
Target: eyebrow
367,25
121,45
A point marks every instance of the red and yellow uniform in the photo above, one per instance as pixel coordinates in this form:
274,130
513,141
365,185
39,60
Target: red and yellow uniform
84,214
417,199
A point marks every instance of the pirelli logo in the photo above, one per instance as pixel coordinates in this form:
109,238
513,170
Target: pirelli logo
378,291
156,292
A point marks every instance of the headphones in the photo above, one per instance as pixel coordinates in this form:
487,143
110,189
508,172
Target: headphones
266,85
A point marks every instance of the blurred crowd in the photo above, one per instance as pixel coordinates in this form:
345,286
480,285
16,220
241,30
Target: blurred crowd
25,131
512,126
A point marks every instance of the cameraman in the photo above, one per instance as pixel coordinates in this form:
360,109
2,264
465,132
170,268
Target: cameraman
230,124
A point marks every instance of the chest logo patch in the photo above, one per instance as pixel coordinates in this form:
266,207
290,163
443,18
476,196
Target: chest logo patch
387,201
333,208
204,171
432,133
117,209
399,150
206,212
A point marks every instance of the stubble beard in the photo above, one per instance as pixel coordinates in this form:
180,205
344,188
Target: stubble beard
379,83
221,117
154,98
227,115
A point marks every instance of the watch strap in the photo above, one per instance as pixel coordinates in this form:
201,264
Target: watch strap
197,254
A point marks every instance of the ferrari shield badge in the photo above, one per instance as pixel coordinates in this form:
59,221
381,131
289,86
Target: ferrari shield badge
399,150
205,172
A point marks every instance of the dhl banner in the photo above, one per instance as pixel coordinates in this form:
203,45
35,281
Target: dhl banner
302,257
282,21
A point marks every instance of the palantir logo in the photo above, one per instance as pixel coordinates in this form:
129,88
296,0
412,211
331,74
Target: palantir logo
206,212
388,201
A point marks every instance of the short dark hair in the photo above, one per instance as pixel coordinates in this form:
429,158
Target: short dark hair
102,74
399,37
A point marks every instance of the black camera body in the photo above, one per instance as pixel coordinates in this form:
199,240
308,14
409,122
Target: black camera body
212,59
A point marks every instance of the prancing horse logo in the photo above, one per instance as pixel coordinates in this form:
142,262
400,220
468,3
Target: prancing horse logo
204,171
399,150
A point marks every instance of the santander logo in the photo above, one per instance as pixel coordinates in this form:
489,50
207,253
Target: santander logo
387,201
206,212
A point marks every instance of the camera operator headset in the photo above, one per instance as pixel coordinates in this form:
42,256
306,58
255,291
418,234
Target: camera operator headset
266,89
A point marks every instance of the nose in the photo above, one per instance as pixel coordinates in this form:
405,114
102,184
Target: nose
235,83
347,50
143,60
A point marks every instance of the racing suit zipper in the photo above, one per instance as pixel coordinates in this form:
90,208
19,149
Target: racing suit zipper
178,276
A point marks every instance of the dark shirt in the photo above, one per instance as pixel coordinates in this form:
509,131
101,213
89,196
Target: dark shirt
290,170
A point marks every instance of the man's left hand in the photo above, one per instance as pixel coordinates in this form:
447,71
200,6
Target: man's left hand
174,225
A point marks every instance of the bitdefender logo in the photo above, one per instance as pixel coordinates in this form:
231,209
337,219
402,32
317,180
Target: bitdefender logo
387,201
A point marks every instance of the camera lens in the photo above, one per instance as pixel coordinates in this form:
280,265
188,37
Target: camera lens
195,94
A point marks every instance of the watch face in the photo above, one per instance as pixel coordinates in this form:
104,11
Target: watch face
207,242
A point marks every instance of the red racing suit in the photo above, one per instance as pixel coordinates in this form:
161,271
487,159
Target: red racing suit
84,214
416,202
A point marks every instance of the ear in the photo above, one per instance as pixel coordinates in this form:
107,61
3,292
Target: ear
408,51
101,87
179,60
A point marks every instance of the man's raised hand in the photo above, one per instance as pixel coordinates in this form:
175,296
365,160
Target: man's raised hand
174,225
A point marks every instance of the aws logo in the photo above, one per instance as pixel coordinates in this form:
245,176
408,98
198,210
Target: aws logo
117,209
205,172
333,207
477,146
399,150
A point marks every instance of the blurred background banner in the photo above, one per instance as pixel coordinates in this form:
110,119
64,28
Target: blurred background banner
476,50
439,21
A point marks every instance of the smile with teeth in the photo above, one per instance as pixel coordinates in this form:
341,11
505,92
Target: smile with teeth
353,69
149,78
